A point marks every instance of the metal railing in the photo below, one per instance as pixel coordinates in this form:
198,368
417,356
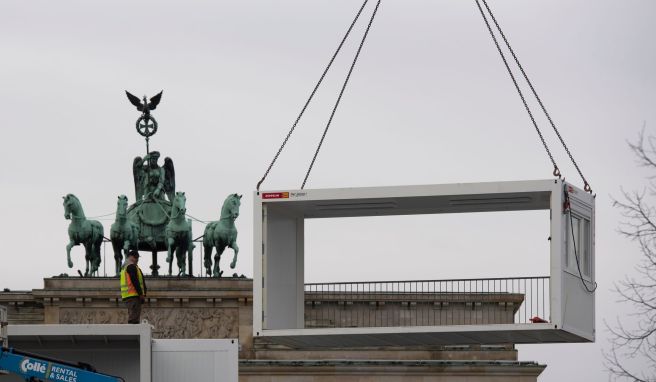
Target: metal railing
427,302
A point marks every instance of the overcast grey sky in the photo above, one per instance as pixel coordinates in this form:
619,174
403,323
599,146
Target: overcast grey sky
429,102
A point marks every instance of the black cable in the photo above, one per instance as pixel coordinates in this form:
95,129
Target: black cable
556,171
576,256
348,76
544,109
323,75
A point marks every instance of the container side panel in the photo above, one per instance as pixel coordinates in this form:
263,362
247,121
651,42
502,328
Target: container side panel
281,277
259,221
578,307
195,360
556,253
182,366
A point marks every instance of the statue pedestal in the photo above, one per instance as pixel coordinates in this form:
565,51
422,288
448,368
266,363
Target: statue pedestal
177,307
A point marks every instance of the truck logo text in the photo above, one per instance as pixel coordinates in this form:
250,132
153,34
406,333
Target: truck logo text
33,365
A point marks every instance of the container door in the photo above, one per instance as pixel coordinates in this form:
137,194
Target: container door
578,262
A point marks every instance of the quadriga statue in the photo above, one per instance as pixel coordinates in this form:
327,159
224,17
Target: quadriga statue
221,234
89,233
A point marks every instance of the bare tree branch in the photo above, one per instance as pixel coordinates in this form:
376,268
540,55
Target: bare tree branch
637,341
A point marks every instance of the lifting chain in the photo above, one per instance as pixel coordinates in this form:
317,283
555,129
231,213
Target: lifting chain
323,75
348,76
556,171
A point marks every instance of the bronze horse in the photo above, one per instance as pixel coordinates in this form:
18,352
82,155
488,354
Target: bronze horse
178,235
221,234
89,233
124,233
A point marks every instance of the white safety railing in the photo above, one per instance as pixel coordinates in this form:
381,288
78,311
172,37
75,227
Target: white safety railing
427,302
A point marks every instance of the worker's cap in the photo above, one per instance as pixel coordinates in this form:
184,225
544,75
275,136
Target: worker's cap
133,253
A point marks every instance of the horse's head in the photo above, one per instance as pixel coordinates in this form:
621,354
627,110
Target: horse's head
72,206
230,209
179,203
122,206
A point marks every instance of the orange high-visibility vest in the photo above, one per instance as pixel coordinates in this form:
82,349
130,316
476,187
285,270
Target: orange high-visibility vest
127,288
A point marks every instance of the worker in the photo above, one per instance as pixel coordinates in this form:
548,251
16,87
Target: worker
133,287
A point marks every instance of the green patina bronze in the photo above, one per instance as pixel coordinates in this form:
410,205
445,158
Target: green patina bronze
124,233
178,235
151,211
146,124
156,221
221,234
89,233
152,182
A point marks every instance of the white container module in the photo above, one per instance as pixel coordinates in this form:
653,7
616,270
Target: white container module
120,350
195,360
279,290
130,352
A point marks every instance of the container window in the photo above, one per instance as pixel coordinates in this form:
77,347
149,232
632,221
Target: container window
578,245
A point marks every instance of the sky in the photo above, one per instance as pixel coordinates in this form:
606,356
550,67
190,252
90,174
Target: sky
429,102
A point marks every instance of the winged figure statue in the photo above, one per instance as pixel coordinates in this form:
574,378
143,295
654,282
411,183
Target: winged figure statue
152,181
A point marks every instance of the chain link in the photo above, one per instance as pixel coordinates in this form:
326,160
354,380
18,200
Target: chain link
544,109
348,76
323,75
556,171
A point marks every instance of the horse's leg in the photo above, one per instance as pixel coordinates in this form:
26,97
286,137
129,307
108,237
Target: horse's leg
180,256
189,252
190,257
207,258
186,248
169,247
87,258
70,245
134,238
118,256
217,260
95,259
98,257
235,248
127,244
169,257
